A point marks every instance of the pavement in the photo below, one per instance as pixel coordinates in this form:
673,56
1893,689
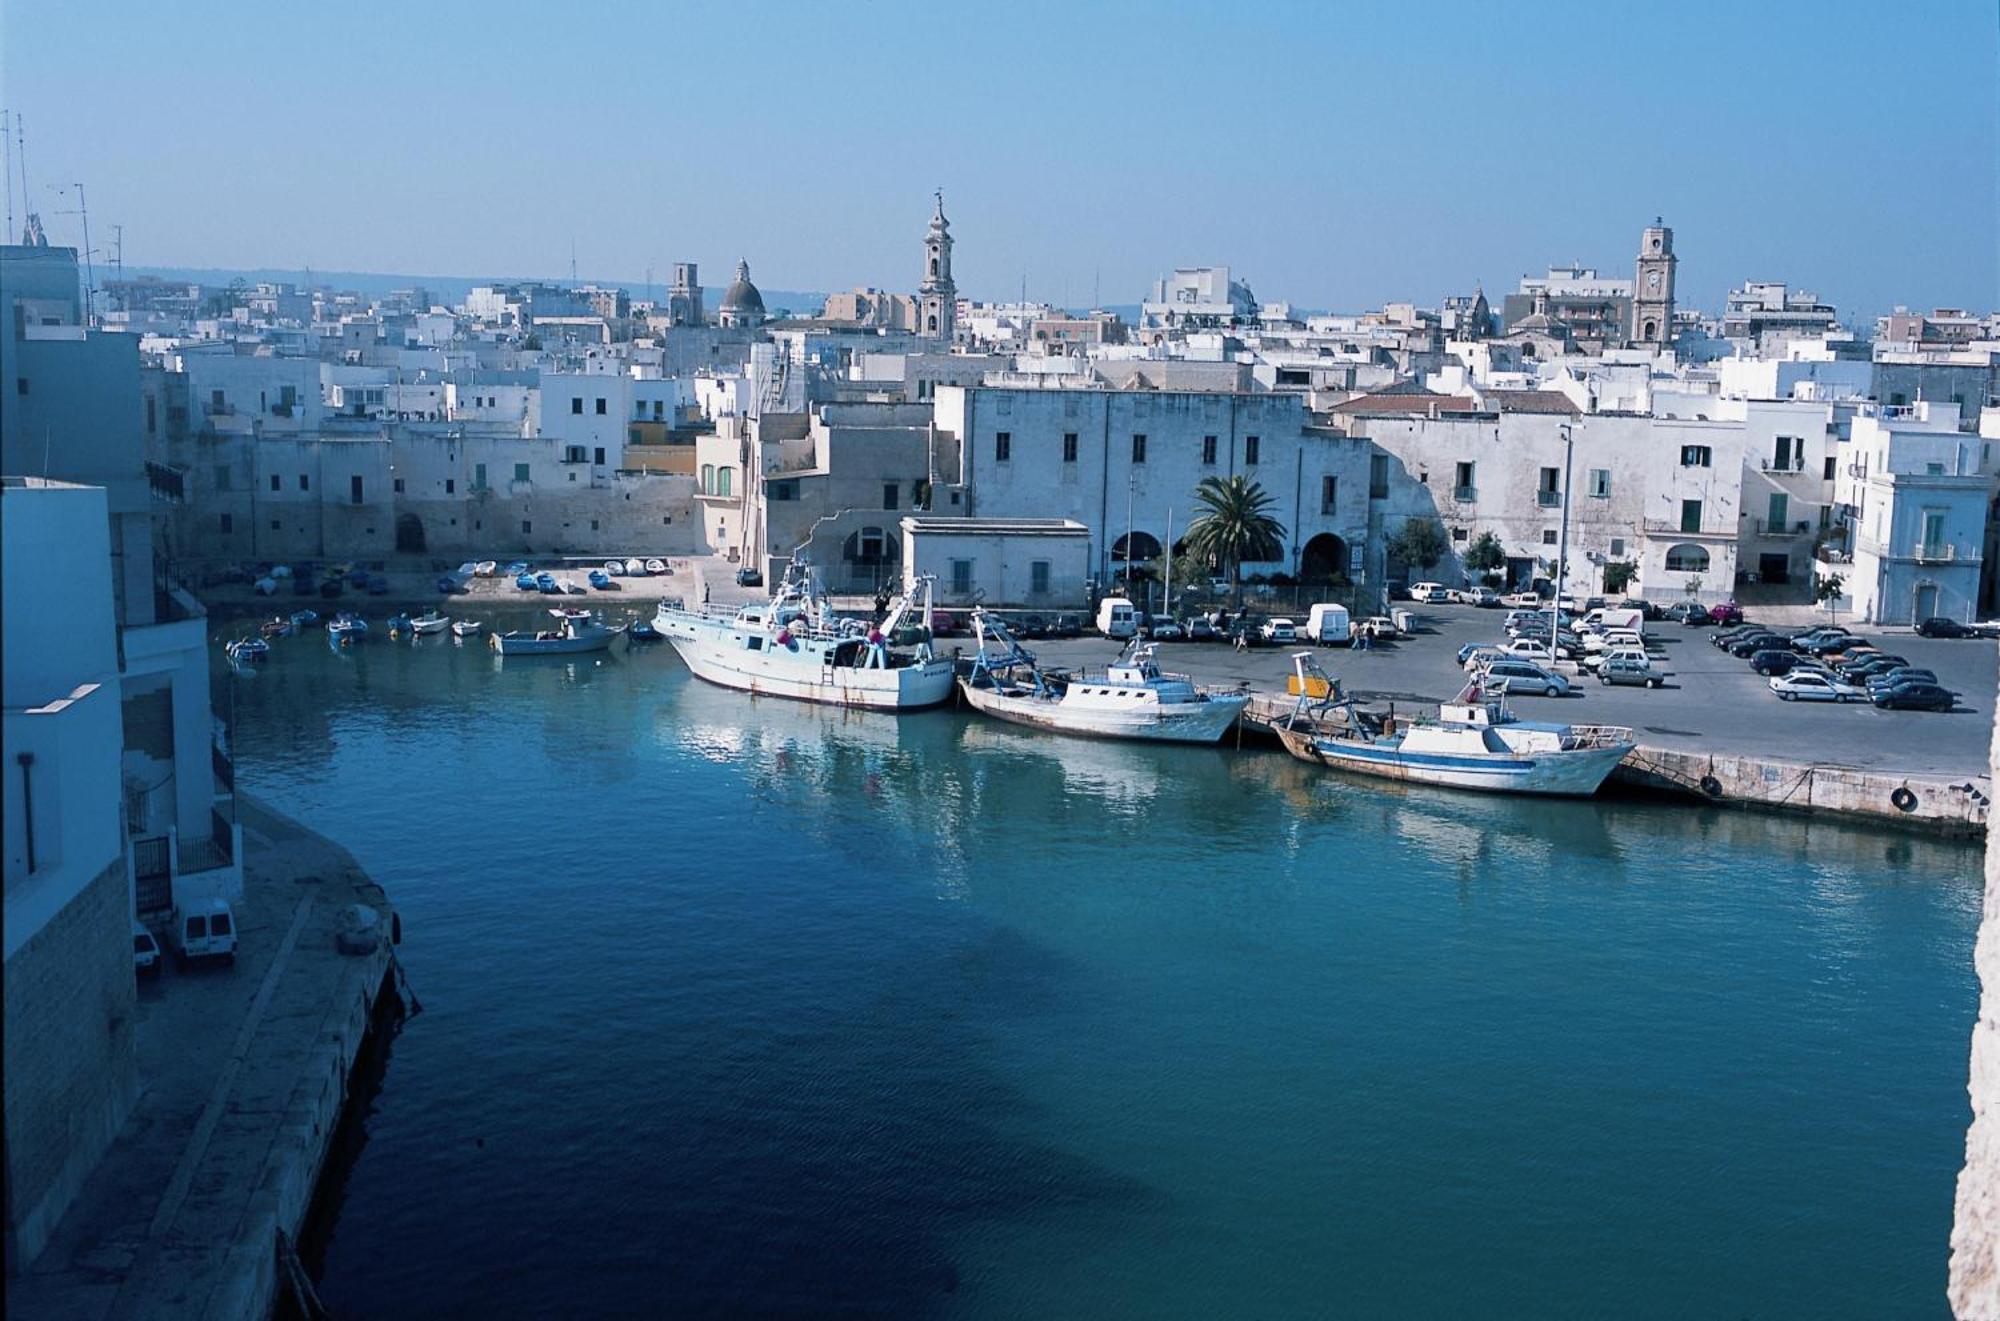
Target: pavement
225,1055
1711,703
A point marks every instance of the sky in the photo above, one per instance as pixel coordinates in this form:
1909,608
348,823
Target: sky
1333,155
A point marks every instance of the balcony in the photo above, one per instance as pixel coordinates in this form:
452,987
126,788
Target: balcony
1789,465
1936,554
1671,528
1831,553
1548,499
167,483
1764,527
1465,495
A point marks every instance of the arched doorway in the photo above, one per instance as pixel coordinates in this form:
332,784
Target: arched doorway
1144,546
1323,560
409,534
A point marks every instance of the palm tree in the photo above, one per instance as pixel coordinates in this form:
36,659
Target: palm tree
1233,527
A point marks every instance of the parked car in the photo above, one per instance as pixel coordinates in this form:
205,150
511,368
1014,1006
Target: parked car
1776,660
1915,697
1280,632
1472,649
1611,639
1429,593
1814,686
1483,597
1937,626
1839,644
944,623
1377,628
1643,606
749,577
1531,649
1726,612
1515,675
1876,663
1691,613
1200,629
1750,644
1633,670
1522,600
1827,633
1243,633
1597,660
207,931
1168,629
1066,626
1034,626
1722,637
145,952
1902,674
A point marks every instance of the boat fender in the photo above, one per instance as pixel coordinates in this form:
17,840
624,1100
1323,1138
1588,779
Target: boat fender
1711,786
1903,799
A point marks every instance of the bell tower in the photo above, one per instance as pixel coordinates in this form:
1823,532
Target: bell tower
937,296
1653,291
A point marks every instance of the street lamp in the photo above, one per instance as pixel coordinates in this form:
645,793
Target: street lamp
1562,546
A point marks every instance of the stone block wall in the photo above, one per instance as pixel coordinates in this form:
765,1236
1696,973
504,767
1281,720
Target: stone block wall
71,1076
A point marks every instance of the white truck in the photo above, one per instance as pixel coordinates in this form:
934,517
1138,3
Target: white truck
1330,625
1117,618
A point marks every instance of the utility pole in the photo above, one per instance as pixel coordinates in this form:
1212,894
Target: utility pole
1131,486
118,240
89,264
7,149
1562,546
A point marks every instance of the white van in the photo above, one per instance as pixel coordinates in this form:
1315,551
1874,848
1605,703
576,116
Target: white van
1608,617
207,931
1116,617
1329,625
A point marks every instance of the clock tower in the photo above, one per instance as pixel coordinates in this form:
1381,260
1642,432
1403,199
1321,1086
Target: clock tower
1653,292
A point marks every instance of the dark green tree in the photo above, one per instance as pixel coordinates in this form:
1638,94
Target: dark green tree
1420,543
1234,525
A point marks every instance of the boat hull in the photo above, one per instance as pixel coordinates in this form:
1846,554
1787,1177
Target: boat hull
512,646
1576,774
1188,722
776,674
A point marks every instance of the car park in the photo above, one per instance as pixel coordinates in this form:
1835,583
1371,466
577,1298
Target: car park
1632,670
1939,627
1516,675
1814,686
1915,697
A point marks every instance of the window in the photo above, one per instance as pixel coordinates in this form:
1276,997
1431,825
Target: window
354,490
871,545
1462,487
1776,512
478,476
1897,400
526,527
1208,450
1617,545
708,479
961,577
1069,447
1378,477
1459,534
520,472
399,486
572,454
576,404
149,414
1329,493
787,490
1038,577
1690,515
1828,476
1548,536
450,486
888,495
1003,446
228,523
1686,559
305,482
1600,483
1250,451
1787,453
274,525
725,478
600,456
216,402
1549,491
1138,448
276,483
1697,456
221,476
600,406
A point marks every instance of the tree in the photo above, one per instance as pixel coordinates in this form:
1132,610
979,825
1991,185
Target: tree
1485,554
1827,592
1234,525
1618,575
1420,542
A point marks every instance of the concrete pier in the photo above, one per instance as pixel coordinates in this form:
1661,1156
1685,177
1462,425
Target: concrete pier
244,1074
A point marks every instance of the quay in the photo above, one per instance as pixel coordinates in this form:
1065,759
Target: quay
244,1075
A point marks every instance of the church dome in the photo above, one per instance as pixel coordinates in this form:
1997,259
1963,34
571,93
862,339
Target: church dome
741,301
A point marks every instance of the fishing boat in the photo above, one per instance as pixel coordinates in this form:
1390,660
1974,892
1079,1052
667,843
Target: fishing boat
345,630
469,569
276,628
430,623
486,568
546,584
465,628
636,569
1133,698
579,631
656,566
616,568
793,645
526,582
640,630
1474,742
245,650
305,618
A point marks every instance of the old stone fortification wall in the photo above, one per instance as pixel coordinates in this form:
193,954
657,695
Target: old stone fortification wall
1975,1233
71,1076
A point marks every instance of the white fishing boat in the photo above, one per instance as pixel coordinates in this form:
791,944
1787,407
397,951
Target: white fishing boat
616,568
465,628
793,645
430,623
1133,698
1475,742
486,568
245,650
635,568
578,631
656,566
346,629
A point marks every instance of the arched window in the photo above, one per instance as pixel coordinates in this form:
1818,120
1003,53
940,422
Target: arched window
724,479
708,479
933,324
1652,329
934,265
1687,559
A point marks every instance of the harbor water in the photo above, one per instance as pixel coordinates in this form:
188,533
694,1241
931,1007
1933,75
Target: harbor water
746,1007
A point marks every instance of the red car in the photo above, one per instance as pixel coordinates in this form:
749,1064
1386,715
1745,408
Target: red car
1726,612
944,623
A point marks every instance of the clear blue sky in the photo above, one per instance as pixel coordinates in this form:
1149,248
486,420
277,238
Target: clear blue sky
1336,155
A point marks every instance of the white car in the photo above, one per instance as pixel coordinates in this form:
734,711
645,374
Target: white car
1429,593
1529,649
1479,657
1523,601
1480,596
145,952
1597,660
1815,686
1280,630
1378,626
1612,638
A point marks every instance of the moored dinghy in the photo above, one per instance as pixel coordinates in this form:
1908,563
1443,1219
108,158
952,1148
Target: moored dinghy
579,631
430,623
1133,699
465,628
1474,742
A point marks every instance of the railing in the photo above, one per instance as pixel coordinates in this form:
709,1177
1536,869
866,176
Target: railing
1465,494
152,858
1766,528
167,483
1548,499
1788,465
1676,528
1934,554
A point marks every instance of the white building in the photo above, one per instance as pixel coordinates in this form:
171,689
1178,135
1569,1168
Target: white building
1197,298
999,561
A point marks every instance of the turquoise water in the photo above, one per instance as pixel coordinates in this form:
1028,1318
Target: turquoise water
746,1007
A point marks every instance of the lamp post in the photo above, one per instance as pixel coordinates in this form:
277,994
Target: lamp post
1562,546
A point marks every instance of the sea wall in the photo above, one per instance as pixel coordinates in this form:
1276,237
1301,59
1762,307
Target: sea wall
1974,1287
1927,803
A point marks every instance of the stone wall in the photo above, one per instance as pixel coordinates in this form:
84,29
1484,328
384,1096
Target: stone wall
71,1077
1975,1235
